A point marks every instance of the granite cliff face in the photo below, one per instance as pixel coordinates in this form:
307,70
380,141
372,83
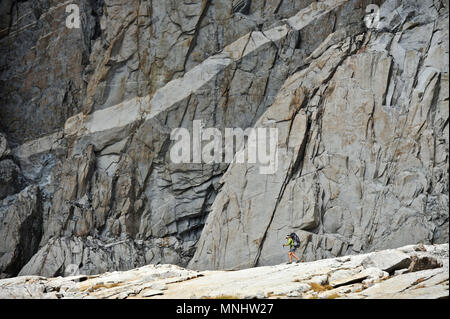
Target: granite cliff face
86,114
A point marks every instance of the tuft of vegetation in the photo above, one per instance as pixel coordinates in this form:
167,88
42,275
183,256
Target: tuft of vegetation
418,281
101,285
319,288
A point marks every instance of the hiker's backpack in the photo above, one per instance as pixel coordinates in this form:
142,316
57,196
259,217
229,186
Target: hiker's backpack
295,239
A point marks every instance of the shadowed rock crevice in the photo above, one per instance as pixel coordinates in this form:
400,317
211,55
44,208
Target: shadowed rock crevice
22,229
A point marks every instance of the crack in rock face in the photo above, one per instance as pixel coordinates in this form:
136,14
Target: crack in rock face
358,96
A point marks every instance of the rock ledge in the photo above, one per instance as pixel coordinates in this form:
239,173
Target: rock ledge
415,271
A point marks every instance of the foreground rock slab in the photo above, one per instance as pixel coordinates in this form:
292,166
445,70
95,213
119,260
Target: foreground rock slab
344,277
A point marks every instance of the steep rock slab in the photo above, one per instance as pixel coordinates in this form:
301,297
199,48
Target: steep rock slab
177,90
408,286
132,190
232,226
11,179
42,66
37,157
89,256
365,179
4,148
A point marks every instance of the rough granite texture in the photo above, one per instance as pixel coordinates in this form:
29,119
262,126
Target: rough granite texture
86,114
356,277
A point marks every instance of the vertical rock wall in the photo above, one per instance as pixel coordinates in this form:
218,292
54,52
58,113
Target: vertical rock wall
362,116
365,129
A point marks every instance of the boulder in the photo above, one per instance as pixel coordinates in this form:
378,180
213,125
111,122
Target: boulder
388,261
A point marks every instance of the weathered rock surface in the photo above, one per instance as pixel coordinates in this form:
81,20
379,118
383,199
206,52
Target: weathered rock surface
11,180
363,163
280,281
21,229
86,117
41,66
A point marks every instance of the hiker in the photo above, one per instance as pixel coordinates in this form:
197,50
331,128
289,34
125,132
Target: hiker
292,246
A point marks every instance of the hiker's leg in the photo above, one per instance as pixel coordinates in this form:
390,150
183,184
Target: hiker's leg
290,257
295,256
